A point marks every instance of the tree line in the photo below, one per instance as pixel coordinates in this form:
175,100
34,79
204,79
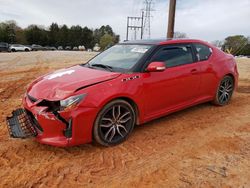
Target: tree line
62,35
235,45
56,35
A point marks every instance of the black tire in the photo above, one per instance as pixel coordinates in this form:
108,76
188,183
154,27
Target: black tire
26,50
224,91
13,50
114,123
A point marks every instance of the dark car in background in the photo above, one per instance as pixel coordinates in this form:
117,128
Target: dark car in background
4,47
68,48
51,48
36,47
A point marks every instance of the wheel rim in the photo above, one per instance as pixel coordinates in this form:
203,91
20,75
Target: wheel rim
115,123
225,90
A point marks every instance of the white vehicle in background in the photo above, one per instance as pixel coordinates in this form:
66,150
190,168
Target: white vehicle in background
60,48
96,48
19,47
81,48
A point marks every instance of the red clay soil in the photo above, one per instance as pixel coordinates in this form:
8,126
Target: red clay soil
203,146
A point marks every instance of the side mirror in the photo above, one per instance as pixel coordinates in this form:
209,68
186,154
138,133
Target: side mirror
156,67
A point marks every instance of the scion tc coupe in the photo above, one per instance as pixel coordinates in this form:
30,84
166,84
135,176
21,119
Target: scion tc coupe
129,84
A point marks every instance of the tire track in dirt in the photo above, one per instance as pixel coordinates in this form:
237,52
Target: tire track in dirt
10,63
244,87
12,91
9,88
110,170
151,168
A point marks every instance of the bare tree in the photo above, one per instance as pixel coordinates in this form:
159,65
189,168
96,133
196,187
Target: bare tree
218,43
179,35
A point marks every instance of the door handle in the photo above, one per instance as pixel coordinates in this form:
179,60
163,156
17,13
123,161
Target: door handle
194,71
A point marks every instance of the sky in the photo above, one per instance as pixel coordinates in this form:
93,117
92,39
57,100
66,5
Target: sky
200,19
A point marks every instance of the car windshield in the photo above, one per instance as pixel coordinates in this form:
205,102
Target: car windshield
119,57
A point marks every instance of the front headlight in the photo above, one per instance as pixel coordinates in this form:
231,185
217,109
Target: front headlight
71,102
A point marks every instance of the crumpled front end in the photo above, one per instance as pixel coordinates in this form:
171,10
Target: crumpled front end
54,105
52,127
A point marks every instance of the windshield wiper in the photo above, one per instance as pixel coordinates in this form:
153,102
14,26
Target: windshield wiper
107,67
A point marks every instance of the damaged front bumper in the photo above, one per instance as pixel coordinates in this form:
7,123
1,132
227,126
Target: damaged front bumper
21,125
57,128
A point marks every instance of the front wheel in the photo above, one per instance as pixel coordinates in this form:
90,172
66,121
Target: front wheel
114,123
224,91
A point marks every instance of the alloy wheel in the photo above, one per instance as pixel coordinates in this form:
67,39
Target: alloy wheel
225,90
115,123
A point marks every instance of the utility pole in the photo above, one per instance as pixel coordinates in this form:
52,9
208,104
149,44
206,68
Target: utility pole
135,23
171,18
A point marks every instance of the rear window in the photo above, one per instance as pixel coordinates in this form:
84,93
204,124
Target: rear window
203,52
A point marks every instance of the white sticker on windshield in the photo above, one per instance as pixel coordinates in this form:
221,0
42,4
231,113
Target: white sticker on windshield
139,50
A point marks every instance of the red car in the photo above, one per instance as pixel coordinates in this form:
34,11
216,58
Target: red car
129,84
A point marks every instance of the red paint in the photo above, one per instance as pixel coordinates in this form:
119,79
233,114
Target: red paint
155,93
156,67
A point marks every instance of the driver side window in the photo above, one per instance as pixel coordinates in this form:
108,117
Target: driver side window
174,55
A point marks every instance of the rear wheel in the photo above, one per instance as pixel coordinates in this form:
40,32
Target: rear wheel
114,123
224,91
26,50
13,49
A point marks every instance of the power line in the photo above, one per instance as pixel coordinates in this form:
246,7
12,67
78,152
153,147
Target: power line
241,47
145,20
137,6
140,24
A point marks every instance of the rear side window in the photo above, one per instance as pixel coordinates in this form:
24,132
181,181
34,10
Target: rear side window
174,55
203,52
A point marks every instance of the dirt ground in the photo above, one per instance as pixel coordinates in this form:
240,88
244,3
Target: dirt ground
203,146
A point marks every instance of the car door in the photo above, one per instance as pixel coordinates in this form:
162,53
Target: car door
18,47
1,47
208,76
22,48
176,86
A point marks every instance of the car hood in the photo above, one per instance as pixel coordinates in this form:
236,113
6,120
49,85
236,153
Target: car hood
63,83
